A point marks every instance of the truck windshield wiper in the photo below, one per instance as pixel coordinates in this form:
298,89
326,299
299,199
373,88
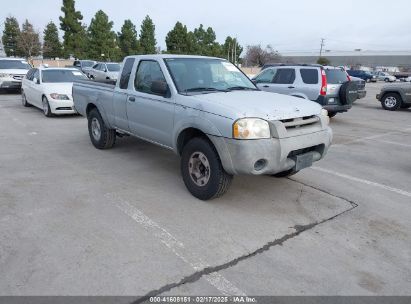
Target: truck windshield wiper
207,89
241,88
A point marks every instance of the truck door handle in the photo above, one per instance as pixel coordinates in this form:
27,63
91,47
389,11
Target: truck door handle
132,99
291,87
266,86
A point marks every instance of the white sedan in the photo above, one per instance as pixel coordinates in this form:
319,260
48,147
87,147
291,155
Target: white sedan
50,89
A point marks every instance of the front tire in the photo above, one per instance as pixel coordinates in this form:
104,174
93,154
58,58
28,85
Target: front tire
24,100
391,101
202,171
46,107
101,137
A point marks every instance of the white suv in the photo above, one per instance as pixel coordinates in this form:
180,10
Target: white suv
12,71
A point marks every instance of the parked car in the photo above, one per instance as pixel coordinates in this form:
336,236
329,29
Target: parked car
408,79
105,72
12,71
50,89
206,110
328,86
360,86
395,96
84,65
384,76
368,77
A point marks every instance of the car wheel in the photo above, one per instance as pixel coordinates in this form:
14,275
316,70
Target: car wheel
202,171
24,100
100,136
386,80
287,173
391,101
332,114
46,107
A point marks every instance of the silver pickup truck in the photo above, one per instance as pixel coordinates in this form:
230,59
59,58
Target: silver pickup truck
208,112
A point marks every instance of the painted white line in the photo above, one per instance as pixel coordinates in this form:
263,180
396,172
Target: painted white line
370,137
177,247
393,143
364,181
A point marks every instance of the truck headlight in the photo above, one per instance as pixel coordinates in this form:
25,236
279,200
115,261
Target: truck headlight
59,96
251,128
324,114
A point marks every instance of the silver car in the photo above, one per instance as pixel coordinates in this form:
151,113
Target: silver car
326,85
105,72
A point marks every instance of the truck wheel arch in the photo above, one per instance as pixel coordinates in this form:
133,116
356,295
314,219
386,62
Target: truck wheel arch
186,135
392,92
90,107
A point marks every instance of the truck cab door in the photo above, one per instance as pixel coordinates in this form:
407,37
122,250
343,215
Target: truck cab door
150,114
120,96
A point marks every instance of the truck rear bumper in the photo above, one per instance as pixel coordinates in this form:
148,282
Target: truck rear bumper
269,156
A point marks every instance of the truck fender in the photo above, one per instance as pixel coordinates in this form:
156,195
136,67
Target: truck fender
94,102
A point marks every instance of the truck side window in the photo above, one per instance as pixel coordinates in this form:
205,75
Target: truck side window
148,71
284,76
126,72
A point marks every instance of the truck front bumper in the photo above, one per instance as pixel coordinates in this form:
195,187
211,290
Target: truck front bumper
269,156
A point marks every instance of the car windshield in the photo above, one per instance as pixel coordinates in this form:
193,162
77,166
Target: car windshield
200,75
113,67
88,63
336,76
62,76
14,64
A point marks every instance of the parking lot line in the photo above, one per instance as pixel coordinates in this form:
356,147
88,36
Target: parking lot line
394,143
370,137
177,247
364,181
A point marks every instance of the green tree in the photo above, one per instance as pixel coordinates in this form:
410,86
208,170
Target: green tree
29,42
52,47
205,42
231,49
102,39
147,36
11,34
127,39
74,39
179,40
323,61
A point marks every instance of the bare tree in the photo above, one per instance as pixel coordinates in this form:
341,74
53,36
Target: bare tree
29,42
258,56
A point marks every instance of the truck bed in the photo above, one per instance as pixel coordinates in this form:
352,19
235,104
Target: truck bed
88,91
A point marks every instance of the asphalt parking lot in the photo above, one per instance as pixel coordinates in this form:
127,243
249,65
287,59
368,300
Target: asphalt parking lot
78,221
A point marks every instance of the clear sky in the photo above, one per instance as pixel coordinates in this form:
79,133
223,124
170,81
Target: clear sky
287,25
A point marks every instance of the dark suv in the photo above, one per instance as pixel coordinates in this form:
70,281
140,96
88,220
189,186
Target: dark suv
326,85
363,75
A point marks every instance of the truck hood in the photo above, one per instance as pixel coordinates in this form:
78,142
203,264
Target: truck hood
265,105
14,71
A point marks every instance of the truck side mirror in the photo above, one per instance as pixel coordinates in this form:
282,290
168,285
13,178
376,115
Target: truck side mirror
159,87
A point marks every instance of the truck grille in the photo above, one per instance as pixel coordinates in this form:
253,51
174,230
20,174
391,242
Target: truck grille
294,123
361,85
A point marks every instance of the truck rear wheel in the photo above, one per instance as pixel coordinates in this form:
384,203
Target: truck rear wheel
202,171
391,101
101,136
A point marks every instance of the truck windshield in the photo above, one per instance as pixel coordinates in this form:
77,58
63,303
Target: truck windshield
62,76
113,67
14,64
336,76
199,75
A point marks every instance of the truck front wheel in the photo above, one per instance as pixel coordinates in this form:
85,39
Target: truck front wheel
202,171
101,136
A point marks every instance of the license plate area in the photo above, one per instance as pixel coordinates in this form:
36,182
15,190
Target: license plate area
303,161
